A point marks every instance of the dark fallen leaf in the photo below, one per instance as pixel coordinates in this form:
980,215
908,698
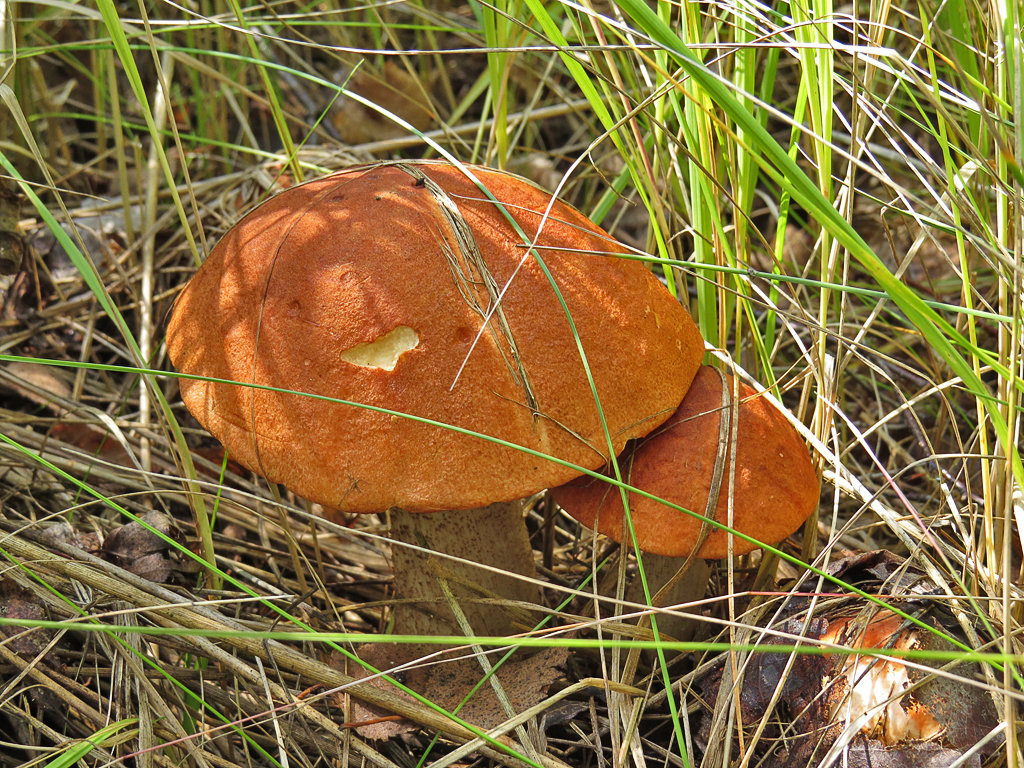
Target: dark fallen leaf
767,671
137,549
12,244
447,682
17,603
880,571
91,440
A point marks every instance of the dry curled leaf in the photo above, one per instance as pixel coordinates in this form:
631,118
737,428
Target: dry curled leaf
138,549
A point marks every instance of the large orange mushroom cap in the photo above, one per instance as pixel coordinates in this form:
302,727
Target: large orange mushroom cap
775,487
378,285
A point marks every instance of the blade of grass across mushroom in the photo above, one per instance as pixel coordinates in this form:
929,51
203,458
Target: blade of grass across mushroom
552,29
995,659
531,251
88,271
596,474
783,170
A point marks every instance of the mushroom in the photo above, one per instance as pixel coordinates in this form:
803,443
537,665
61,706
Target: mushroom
847,704
874,687
686,462
404,291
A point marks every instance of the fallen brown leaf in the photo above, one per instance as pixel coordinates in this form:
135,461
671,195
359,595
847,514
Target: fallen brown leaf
447,681
137,549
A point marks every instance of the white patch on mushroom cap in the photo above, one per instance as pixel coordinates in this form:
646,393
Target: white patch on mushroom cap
383,352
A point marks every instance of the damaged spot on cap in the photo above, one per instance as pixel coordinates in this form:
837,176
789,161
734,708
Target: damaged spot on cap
383,352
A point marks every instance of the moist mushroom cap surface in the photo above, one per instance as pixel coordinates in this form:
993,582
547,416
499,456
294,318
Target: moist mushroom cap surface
775,487
362,286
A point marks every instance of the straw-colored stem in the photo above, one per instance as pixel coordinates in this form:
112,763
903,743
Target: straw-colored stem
454,546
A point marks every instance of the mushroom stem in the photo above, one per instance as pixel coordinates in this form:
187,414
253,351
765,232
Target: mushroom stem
493,536
661,571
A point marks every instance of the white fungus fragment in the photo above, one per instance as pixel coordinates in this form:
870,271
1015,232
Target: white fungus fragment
383,352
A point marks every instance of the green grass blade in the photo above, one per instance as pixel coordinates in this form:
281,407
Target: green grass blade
776,163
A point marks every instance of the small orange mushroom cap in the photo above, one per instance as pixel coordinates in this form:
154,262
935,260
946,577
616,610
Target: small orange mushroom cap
775,488
404,287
